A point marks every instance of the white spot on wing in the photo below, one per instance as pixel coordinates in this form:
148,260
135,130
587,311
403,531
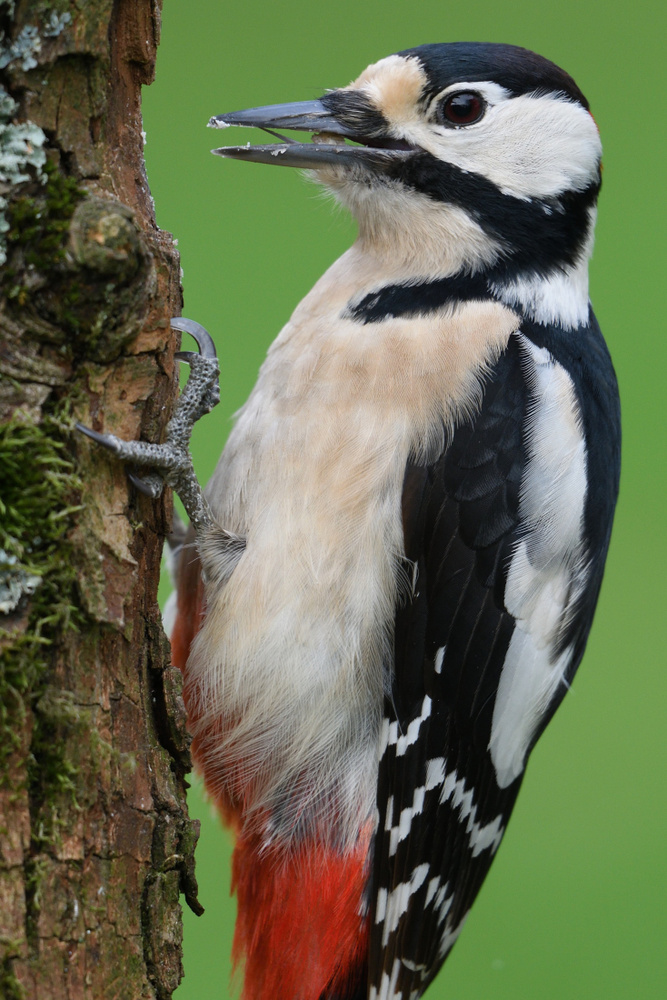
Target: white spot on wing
443,902
480,837
449,936
439,657
408,814
395,903
413,966
389,732
389,816
387,989
381,906
402,831
431,889
435,772
412,734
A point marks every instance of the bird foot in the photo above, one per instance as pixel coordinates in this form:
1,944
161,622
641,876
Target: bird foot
170,462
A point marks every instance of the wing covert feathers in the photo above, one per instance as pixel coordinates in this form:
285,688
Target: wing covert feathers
445,790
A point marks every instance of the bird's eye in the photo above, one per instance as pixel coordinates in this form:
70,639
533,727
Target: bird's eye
463,108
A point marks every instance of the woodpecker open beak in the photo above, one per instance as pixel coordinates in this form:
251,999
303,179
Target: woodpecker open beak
325,150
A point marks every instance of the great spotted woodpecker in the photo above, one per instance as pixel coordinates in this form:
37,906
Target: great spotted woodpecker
400,552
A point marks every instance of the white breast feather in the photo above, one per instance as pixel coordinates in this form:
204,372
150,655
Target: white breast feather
294,650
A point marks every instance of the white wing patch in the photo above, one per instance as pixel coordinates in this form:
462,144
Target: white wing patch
548,571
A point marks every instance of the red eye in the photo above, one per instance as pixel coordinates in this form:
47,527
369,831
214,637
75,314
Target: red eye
463,108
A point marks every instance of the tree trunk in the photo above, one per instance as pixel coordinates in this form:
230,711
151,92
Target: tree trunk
95,840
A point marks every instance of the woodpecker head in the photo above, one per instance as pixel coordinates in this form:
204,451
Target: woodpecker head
490,147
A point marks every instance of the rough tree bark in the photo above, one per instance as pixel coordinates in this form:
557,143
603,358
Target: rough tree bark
95,840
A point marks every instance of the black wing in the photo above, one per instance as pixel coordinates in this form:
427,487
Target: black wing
442,806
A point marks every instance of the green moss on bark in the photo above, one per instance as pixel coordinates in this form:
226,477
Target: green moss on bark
39,492
10,988
94,799
39,226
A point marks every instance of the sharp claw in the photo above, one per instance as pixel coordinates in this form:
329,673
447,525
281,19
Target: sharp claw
198,333
108,440
149,487
185,356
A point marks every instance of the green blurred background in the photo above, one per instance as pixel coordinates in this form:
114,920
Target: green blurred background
575,904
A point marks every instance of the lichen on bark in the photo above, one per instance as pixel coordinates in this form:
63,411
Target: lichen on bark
96,846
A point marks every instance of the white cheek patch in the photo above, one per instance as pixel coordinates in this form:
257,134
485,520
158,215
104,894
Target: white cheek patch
548,570
531,146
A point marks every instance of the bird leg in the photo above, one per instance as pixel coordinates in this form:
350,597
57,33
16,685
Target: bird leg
171,460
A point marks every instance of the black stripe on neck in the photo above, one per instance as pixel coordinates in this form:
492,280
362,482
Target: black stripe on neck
419,299
537,235
540,237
